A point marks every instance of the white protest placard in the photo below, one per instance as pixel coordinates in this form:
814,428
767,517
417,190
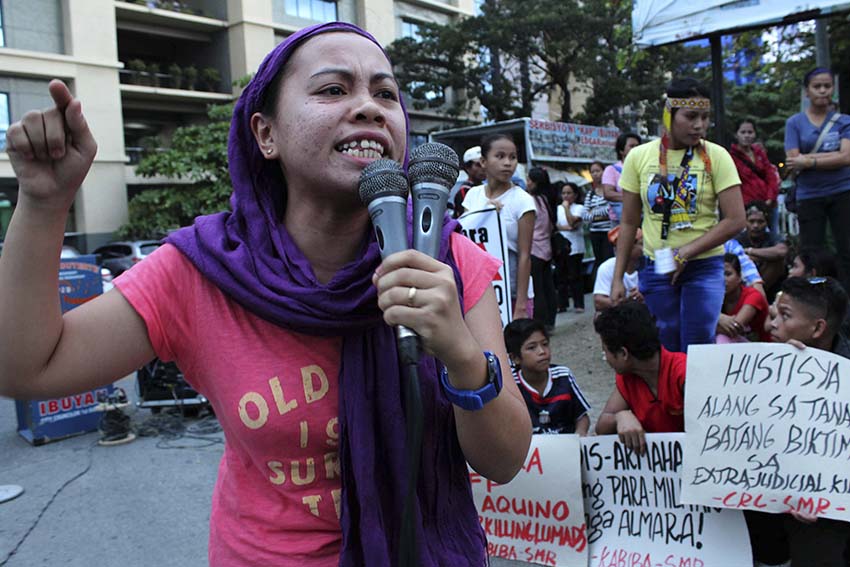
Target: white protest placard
634,517
768,428
538,516
485,229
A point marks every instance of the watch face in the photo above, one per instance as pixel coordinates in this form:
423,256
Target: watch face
494,372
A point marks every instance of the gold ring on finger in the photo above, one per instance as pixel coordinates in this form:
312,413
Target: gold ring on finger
411,295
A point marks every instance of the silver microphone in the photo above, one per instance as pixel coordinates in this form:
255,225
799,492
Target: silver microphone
383,189
433,169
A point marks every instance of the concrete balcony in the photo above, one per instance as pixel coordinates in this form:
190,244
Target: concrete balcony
156,21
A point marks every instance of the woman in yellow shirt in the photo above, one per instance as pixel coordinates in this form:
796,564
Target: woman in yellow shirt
677,184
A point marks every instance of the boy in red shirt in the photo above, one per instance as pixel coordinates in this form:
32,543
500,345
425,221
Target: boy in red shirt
650,393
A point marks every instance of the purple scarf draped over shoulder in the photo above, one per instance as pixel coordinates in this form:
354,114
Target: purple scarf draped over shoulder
250,256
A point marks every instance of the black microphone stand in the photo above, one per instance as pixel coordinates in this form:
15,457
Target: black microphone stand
408,351
432,170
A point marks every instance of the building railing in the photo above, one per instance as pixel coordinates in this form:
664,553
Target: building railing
190,78
170,5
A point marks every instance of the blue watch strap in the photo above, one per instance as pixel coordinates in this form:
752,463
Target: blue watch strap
474,400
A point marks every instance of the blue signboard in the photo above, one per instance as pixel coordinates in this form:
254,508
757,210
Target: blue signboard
42,421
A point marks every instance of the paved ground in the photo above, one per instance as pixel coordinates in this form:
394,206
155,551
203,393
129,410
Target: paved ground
147,502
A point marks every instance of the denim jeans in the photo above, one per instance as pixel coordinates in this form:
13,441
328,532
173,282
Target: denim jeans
686,313
813,214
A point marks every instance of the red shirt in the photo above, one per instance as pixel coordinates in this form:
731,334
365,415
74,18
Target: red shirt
275,393
758,178
664,413
751,296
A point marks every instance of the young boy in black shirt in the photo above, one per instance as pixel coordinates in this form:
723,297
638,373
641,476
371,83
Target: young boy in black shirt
553,398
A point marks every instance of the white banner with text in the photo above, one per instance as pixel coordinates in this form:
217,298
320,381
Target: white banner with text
768,428
485,229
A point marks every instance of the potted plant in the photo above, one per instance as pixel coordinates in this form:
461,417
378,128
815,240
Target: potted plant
211,78
176,73
137,69
190,76
153,71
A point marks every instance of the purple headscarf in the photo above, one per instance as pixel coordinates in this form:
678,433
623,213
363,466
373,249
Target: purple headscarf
249,255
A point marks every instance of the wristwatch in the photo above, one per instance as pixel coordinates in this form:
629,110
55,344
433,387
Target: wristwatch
474,400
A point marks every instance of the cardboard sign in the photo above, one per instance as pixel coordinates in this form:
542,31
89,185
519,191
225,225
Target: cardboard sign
634,517
768,428
538,517
485,229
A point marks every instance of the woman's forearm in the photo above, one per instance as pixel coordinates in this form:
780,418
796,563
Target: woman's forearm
745,315
625,243
30,313
523,272
717,236
492,438
495,438
826,160
731,207
610,193
525,233
629,223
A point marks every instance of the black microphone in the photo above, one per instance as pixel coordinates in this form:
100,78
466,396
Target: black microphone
383,189
433,169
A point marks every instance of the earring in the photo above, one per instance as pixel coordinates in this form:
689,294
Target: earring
269,151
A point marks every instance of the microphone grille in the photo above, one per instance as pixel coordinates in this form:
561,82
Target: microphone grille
433,162
382,178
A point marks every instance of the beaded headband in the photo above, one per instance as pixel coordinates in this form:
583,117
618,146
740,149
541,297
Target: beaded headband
691,103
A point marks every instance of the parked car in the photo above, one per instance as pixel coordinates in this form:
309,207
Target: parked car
69,252
120,256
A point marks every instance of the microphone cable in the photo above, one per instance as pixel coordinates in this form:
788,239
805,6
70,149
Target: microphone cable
408,351
432,170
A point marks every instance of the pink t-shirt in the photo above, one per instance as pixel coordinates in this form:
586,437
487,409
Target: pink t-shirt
274,391
611,176
541,243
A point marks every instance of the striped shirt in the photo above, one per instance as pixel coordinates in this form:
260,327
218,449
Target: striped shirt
596,212
749,272
561,405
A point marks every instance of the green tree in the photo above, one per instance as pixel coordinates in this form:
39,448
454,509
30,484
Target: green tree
627,83
839,32
777,67
518,50
198,153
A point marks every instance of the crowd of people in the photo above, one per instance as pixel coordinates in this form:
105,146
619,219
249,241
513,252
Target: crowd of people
710,216
686,251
